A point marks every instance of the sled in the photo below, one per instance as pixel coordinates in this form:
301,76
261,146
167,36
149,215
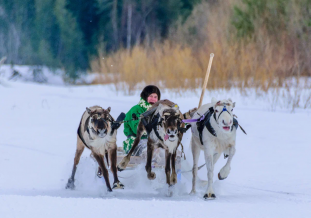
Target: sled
183,167
136,161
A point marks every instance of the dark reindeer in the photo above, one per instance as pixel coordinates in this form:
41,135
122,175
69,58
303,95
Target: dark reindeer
165,130
96,132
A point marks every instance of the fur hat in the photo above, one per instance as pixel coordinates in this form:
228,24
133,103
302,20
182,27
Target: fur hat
148,90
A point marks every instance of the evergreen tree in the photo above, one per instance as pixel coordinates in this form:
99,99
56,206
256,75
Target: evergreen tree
69,33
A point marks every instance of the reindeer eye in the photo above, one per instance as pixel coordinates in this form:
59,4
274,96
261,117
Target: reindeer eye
231,109
216,111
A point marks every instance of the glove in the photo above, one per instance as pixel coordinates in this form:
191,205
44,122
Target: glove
152,123
116,124
134,117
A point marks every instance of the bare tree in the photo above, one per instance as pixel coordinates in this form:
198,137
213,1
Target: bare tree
129,27
115,23
146,8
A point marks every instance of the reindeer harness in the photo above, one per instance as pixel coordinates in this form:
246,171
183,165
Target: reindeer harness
156,121
204,121
87,128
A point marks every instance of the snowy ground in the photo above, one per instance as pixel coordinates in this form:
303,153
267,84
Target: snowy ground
270,174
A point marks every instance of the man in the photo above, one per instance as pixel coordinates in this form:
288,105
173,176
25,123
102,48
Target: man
150,95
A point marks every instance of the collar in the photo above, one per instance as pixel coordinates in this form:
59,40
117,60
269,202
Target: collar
144,104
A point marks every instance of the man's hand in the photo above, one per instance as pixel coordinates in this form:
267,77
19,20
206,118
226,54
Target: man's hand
116,124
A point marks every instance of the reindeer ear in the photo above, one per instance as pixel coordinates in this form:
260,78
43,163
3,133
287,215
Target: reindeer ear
233,104
88,110
176,107
109,109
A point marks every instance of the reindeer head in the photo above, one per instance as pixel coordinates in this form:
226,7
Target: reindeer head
99,122
170,123
223,114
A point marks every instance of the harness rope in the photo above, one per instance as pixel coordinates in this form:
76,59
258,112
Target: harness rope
153,123
204,120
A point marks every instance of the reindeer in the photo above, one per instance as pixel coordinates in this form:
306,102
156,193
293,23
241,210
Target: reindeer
97,132
165,130
218,137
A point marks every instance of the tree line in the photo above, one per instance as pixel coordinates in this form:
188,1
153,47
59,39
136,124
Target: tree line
69,33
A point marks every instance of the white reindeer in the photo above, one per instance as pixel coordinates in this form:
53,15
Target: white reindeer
218,135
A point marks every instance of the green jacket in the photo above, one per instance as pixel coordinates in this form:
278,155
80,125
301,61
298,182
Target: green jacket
130,128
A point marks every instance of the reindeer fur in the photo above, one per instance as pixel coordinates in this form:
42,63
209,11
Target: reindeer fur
213,146
99,146
170,147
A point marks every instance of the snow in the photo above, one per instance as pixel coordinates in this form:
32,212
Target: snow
40,74
270,175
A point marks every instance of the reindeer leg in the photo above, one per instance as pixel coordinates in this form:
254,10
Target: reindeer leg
101,163
216,157
168,167
79,151
168,157
195,155
124,162
99,171
113,161
224,172
173,175
208,153
150,148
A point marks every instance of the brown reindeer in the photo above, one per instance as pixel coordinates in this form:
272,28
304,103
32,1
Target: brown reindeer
165,130
95,132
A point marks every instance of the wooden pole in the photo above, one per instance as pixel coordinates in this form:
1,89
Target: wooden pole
206,78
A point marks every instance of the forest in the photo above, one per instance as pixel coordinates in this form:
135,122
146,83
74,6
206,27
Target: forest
257,43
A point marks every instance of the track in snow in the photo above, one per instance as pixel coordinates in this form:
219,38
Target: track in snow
269,177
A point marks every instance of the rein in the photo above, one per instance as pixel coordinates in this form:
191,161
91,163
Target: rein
194,120
203,116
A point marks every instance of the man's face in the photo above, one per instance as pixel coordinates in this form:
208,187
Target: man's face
153,98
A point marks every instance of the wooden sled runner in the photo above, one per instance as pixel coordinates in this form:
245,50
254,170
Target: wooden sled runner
138,160
183,167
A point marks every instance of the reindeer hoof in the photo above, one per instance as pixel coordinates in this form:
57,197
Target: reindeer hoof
70,184
122,165
220,178
99,173
151,175
170,191
192,192
109,190
119,169
209,196
173,181
118,185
